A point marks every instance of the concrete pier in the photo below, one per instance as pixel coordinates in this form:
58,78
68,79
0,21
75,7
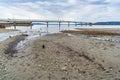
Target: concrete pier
59,25
75,23
68,24
28,22
47,26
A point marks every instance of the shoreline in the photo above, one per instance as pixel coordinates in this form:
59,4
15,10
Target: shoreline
2,30
62,57
11,48
95,31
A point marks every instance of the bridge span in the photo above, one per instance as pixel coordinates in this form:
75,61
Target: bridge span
28,22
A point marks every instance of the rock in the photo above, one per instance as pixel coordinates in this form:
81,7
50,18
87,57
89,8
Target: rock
119,71
117,79
107,71
81,72
43,46
10,36
24,34
64,68
64,78
39,65
110,68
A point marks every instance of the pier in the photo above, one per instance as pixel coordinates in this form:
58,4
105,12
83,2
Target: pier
28,22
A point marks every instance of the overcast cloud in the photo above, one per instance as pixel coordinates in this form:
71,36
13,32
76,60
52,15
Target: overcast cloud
82,10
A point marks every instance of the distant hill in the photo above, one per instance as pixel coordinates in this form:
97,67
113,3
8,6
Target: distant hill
107,23
37,23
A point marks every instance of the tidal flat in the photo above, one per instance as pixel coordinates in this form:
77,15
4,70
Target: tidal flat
6,30
63,57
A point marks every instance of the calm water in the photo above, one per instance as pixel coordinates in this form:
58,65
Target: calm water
39,30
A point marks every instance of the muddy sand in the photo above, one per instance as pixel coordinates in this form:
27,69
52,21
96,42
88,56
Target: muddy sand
6,30
95,31
61,57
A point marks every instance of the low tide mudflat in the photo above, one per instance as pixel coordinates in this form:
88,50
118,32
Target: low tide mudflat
6,30
95,31
61,57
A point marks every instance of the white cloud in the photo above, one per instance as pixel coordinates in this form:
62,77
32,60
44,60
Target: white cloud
72,1
69,10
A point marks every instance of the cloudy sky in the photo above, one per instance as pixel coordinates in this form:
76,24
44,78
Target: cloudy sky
79,10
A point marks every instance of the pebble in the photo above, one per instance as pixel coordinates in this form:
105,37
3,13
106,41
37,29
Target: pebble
39,65
111,68
5,69
63,68
81,72
119,71
117,78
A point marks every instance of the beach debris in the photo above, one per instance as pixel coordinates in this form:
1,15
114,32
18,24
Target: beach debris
107,71
110,68
100,67
24,34
39,65
43,46
10,36
64,68
81,72
40,33
117,79
64,78
119,71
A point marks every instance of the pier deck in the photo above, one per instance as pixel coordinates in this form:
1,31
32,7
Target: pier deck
28,22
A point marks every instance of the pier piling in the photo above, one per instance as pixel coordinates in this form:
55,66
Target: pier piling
59,25
25,22
14,26
68,24
47,26
75,23
31,27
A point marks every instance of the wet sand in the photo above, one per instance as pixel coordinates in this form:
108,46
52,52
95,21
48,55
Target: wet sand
6,30
62,57
7,52
95,31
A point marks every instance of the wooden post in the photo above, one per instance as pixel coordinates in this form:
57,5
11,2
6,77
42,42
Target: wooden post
81,23
14,25
68,24
90,24
47,26
86,24
31,27
59,25
75,23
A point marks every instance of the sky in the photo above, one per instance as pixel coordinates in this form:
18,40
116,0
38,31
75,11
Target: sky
78,10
